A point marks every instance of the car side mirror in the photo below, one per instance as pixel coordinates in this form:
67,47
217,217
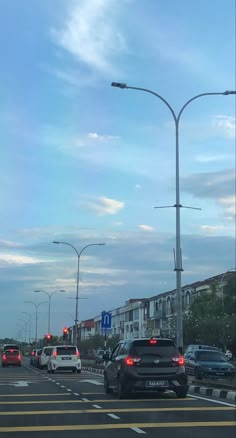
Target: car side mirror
107,357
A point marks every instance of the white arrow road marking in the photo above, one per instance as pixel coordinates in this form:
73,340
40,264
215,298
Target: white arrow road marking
94,382
18,384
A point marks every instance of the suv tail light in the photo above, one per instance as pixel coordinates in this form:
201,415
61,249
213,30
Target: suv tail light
4,357
77,353
178,361
54,354
132,360
19,356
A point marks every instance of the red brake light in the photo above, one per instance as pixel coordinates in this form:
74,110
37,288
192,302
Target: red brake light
130,361
77,353
4,357
19,357
54,353
11,350
153,341
178,360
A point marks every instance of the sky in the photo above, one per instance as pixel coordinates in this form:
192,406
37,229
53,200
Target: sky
85,163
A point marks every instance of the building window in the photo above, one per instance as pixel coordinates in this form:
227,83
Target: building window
187,298
168,306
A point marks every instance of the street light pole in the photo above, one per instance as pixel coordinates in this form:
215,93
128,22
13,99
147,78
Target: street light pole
77,280
49,304
30,316
36,318
178,256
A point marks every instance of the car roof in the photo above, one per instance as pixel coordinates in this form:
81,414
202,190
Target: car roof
208,350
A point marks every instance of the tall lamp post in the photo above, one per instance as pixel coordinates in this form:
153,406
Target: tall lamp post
78,277
49,303
178,256
30,319
36,318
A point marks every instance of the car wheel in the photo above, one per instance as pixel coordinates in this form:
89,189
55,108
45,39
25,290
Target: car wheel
78,371
19,365
121,391
74,371
181,392
107,388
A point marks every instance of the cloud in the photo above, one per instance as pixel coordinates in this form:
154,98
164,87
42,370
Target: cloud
226,125
138,186
215,185
103,205
212,229
90,34
229,203
99,137
205,158
146,227
11,259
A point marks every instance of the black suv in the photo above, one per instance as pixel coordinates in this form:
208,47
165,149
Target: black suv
145,364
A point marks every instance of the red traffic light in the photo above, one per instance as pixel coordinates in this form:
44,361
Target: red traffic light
48,336
65,330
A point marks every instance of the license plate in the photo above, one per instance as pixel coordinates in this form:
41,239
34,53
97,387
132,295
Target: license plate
156,383
66,358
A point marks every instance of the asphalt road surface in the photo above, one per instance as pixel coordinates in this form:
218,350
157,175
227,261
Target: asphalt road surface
34,403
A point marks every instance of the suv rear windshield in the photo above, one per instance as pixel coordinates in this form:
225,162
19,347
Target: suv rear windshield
12,352
163,347
66,351
47,351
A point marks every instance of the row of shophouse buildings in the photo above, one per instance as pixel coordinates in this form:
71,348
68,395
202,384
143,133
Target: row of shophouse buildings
154,316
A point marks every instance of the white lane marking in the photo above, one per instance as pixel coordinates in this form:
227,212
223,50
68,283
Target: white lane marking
94,382
75,393
113,416
57,383
70,390
62,386
85,399
97,406
211,400
136,429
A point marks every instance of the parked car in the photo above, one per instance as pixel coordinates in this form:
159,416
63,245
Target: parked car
193,347
37,357
99,356
44,357
11,357
34,357
64,357
208,363
143,365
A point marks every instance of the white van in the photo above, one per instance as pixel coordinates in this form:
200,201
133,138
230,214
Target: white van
44,357
64,357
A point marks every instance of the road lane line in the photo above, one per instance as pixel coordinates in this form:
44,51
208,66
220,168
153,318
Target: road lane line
113,416
111,411
69,390
213,401
70,427
136,429
75,393
85,399
40,402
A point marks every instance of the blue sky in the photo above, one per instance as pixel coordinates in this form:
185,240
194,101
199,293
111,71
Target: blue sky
84,162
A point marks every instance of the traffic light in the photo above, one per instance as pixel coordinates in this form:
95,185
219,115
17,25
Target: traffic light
65,333
48,337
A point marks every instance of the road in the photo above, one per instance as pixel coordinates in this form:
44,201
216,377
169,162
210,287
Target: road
65,404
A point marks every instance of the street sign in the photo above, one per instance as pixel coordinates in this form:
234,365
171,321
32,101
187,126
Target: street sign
106,321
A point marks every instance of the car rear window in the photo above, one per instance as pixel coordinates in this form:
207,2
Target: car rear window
162,347
66,351
209,356
48,351
12,352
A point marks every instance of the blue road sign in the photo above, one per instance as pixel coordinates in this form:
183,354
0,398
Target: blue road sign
106,321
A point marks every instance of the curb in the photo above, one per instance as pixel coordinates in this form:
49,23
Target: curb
213,392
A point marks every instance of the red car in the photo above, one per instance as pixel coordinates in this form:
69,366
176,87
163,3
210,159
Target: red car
11,357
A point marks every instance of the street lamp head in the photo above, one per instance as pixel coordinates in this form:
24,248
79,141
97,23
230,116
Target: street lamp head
56,242
119,85
229,92
101,244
